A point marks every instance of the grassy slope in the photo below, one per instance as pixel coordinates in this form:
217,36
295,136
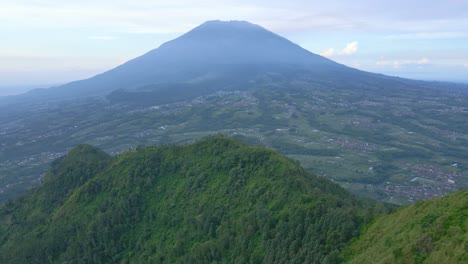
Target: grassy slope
214,201
433,231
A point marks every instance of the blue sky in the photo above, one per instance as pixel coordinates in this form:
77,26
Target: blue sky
52,42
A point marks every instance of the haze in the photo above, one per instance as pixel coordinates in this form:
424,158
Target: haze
57,42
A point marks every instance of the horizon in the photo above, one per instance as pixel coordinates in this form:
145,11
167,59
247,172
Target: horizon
59,42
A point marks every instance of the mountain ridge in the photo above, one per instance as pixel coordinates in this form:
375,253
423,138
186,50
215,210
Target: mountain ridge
217,200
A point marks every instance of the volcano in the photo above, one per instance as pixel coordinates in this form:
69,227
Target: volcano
220,52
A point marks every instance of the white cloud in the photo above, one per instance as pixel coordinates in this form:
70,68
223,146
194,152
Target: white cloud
429,35
56,63
149,16
465,65
399,63
17,70
423,60
101,37
328,53
350,48
395,64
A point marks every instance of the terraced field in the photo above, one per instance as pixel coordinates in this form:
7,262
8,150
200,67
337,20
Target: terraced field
397,148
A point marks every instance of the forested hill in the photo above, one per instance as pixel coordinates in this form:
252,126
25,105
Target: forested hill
433,231
216,201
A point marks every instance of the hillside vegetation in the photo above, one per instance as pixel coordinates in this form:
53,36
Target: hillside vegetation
216,201
433,231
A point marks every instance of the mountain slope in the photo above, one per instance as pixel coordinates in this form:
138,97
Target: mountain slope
215,56
213,50
433,231
215,201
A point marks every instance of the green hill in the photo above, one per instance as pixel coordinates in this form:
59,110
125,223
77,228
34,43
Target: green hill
216,201
433,231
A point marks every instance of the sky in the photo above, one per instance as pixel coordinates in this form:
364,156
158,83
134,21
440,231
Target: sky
50,42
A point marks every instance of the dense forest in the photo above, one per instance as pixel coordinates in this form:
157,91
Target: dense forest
215,201
433,231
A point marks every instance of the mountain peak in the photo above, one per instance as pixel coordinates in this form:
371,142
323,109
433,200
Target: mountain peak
206,50
239,24
235,42
228,23
233,30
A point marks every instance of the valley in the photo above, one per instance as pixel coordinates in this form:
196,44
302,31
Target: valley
388,138
232,144
379,144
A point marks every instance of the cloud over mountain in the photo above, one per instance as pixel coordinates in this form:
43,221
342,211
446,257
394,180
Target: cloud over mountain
350,48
